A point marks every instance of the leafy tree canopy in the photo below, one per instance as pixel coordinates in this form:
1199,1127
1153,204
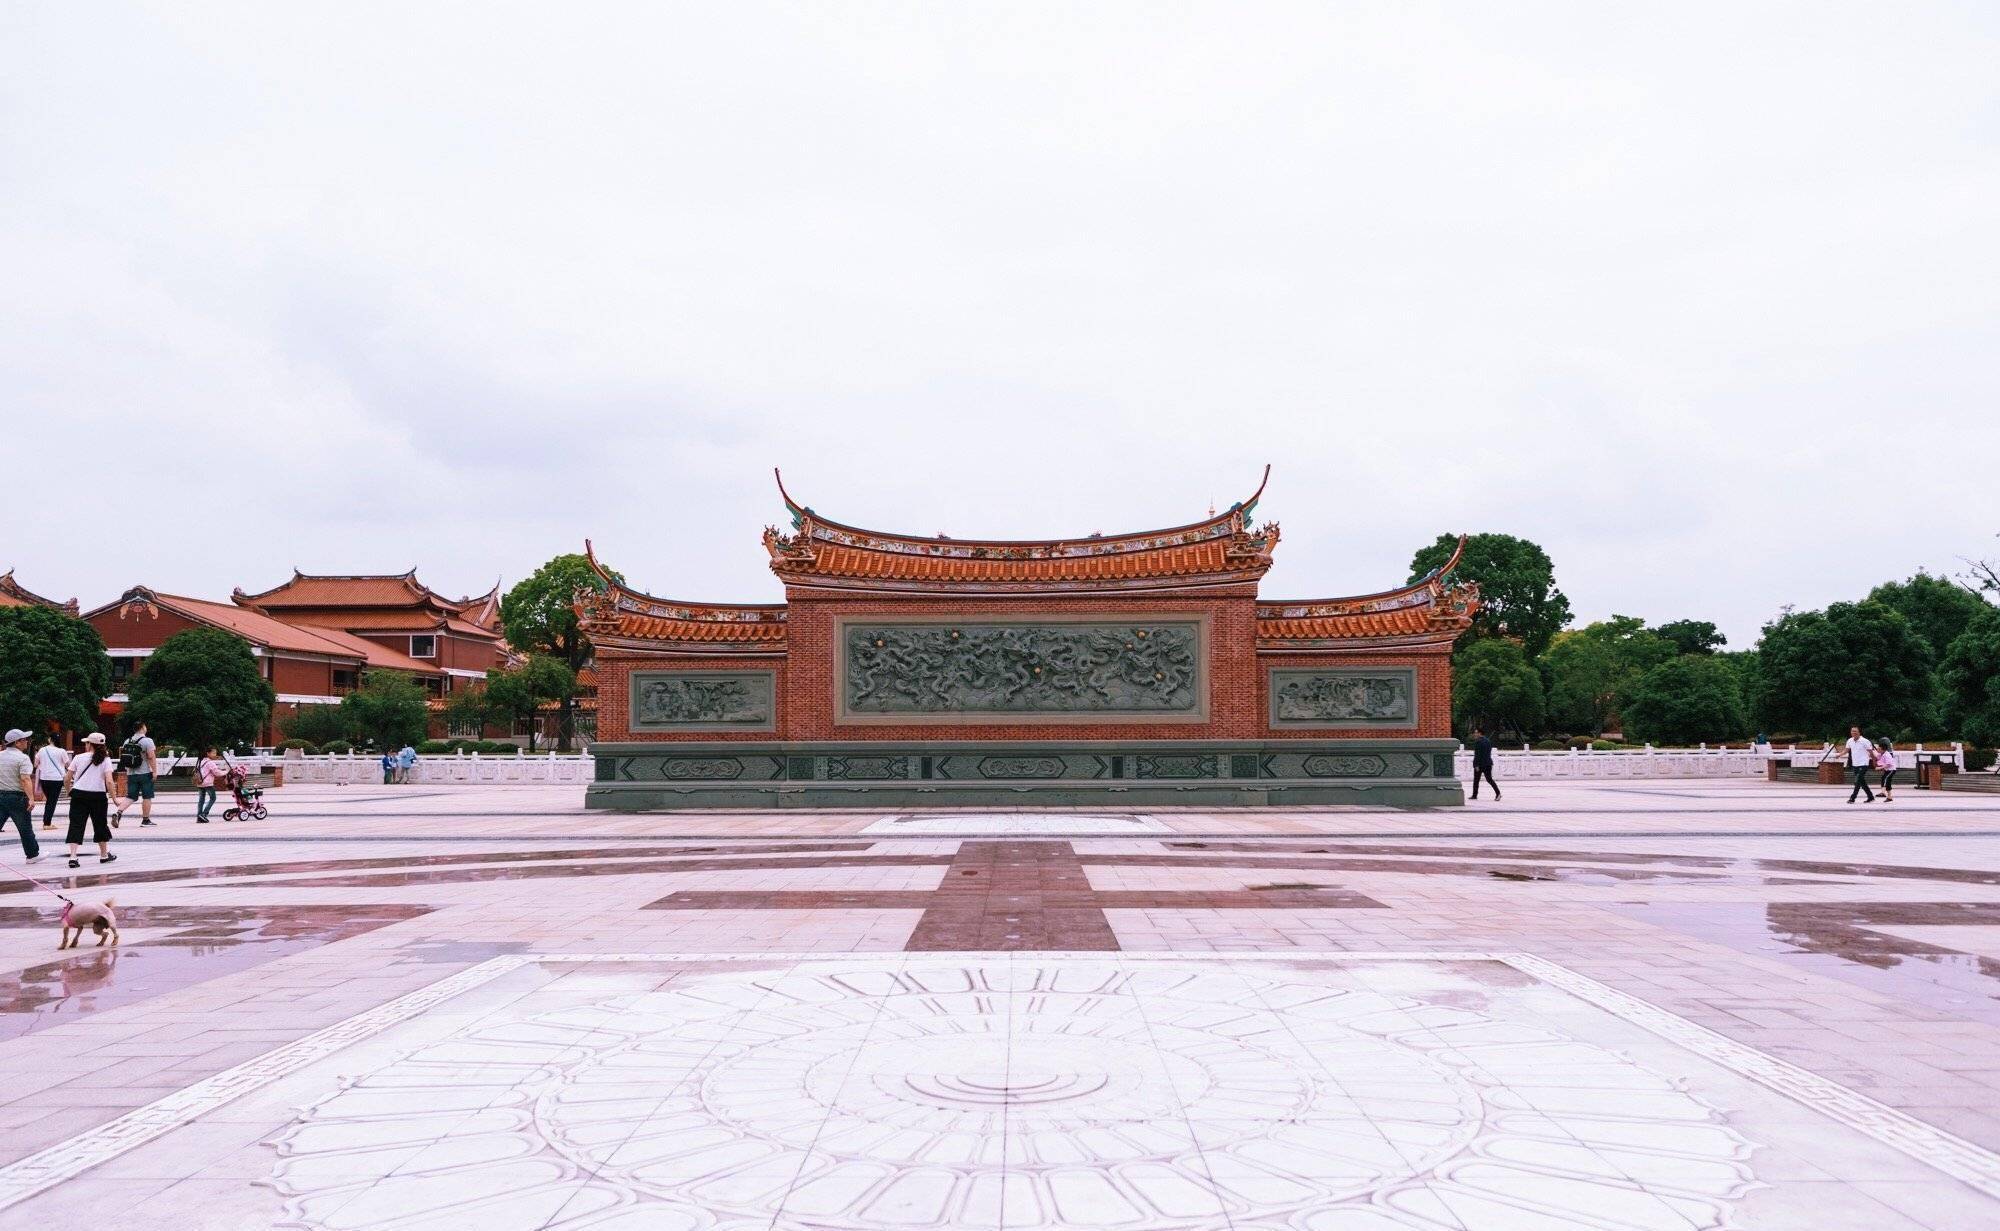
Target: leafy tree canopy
389,709
317,724
518,692
1937,608
1588,670
1495,686
1690,699
1517,586
1854,663
1691,636
1970,681
539,613
201,689
53,670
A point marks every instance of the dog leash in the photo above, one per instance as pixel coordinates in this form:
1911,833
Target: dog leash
37,884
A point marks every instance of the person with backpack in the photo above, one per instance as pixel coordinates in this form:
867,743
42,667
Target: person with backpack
51,766
89,781
138,760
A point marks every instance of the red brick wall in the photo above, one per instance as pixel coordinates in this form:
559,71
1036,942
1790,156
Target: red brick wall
614,692
1238,705
1433,692
138,632
302,677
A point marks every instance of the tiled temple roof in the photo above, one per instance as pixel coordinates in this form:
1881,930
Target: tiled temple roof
1432,609
395,602
1222,549
14,594
619,616
256,627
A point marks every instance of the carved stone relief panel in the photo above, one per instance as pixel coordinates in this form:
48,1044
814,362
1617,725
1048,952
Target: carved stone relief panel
1344,697
704,700
1042,669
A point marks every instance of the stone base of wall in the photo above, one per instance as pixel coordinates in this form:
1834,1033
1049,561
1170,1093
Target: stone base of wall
665,777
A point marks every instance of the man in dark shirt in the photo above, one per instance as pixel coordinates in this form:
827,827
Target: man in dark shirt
1482,763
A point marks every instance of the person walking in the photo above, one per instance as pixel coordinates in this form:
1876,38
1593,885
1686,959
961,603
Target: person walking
17,792
1860,759
90,781
406,760
1885,767
1482,763
51,763
139,759
208,775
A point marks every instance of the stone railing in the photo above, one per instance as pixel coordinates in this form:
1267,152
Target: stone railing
540,769
1702,762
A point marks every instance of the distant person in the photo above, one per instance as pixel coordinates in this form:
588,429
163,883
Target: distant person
51,764
139,758
17,792
89,781
1885,767
406,760
1482,763
1860,759
388,768
208,777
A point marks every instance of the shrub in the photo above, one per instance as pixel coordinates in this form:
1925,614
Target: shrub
436,747
336,746
1978,760
1551,745
1579,743
303,745
1608,745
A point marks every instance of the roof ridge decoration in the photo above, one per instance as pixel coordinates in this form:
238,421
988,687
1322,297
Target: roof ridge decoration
1223,548
615,612
1432,609
10,588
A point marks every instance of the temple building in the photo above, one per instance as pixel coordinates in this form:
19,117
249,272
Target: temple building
14,594
1108,671
451,642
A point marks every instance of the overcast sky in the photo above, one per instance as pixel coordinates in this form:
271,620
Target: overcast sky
1703,298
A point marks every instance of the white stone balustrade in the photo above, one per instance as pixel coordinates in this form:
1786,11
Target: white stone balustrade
1702,762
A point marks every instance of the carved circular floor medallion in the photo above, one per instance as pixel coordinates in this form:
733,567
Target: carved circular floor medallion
1030,1094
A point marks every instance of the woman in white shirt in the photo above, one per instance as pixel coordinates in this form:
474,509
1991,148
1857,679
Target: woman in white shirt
90,780
51,766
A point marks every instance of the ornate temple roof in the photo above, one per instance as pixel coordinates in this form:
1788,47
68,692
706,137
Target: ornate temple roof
1222,549
1431,609
393,602
14,594
617,615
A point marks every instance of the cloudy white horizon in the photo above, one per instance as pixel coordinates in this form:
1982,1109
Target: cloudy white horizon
1703,298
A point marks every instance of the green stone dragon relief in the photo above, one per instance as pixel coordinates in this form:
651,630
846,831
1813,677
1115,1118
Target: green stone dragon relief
698,701
1025,668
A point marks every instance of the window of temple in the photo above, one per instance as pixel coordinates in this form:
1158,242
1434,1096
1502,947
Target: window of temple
423,645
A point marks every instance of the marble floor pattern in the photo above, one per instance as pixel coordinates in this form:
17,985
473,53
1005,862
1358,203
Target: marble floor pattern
1622,1006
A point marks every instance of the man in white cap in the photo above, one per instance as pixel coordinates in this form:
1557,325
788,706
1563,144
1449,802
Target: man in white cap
17,787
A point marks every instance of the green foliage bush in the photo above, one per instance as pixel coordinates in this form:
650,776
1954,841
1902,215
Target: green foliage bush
1551,745
435,747
315,724
1978,760
303,745
200,689
336,747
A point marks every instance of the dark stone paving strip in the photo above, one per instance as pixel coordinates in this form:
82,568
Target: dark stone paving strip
538,871
215,941
991,898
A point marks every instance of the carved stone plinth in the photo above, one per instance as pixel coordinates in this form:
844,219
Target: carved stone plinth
1405,772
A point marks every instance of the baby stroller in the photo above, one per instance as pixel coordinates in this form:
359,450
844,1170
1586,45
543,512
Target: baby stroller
248,799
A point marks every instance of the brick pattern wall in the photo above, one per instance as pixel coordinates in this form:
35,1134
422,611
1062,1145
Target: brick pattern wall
614,692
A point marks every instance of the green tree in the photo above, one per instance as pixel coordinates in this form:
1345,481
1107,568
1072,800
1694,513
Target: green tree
1517,586
539,617
1937,608
1970,681
1691,636
1495,686
468,710
1854,663
389,709
53,670
518,692
200,689
316,724
1691,699
1588,670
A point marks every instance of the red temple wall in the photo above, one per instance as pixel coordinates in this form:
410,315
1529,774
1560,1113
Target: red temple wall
1433,691
614,692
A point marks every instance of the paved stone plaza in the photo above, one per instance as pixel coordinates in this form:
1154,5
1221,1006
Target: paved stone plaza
1643,1005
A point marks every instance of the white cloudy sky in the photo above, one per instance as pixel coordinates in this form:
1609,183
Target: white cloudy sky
1705,298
